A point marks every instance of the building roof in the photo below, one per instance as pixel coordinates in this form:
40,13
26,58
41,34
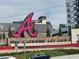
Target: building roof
41,17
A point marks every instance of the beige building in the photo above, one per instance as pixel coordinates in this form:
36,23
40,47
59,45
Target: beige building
75,35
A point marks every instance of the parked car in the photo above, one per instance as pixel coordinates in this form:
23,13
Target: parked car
7,57
40,56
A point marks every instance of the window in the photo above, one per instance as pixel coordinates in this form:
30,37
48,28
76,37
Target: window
74,2
75,19
68,10
75,8
69,21
68,4
75,14
78,14
68,15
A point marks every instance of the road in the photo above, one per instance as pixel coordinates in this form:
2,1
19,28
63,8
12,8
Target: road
67,57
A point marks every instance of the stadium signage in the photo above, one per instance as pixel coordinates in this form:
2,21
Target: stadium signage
28,26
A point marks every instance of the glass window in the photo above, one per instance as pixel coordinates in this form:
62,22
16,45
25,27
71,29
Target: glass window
69,21
75,8
68,10
75,19
68,4
74,2
78,14
68,15
75,14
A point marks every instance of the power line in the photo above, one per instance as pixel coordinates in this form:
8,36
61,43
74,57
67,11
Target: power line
51,1
36,11
50,7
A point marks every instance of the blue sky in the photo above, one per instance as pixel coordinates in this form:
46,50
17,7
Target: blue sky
17,10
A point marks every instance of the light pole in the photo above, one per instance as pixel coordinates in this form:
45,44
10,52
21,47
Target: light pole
16,48
24,48
25,41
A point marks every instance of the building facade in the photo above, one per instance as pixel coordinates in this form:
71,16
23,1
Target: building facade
63,30
73,13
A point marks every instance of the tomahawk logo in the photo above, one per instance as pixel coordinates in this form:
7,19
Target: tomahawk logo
28,26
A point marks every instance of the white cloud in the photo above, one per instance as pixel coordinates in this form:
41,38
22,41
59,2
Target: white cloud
24,7
6,11
58,19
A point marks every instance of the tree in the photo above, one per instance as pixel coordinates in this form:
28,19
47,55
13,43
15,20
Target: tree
0,36
60,32
69,29
33,30
22,34
48,33
3,35
9,33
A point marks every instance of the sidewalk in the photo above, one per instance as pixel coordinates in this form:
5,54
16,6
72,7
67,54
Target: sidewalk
67,57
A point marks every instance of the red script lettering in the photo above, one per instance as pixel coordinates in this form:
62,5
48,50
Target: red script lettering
26,25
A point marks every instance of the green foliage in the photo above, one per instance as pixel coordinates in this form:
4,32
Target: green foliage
3,35
22,34
71,51
9,33
69,32
33,30
30,54
0,36
52,53
5,44
48,32
40,20
60,32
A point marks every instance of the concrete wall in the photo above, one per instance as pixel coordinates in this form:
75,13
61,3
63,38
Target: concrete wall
75,35
42,44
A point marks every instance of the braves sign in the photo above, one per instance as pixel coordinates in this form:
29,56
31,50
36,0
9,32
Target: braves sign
28,26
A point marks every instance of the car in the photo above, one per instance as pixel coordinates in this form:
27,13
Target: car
7,57
40,56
